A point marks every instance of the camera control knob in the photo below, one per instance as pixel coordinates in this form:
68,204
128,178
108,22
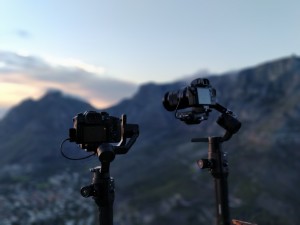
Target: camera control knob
87,191
205,164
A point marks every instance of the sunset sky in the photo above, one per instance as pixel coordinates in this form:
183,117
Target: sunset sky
102,50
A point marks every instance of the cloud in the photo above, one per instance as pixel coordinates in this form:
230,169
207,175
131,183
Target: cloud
21,33
23,76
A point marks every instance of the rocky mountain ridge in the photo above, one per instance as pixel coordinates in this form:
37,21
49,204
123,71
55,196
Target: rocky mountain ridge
158,180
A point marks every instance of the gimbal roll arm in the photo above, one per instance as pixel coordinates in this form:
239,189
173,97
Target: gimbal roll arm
127,131
123,147
227,120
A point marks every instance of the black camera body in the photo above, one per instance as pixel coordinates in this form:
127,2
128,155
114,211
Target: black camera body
198,94
92,128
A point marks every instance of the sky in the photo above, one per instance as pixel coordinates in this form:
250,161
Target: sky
102,50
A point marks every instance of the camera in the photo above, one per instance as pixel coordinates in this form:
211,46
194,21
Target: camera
200,98
92,128
199,93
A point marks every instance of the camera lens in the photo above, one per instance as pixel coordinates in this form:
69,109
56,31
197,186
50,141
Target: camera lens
170,101
178,99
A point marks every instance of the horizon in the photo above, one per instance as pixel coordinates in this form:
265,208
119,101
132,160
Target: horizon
187,78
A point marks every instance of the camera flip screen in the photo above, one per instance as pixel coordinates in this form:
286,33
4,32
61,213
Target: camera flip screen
204,96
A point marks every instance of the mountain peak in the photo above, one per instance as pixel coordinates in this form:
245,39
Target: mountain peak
53,93
280,65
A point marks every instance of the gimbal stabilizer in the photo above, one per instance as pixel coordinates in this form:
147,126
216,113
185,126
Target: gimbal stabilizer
197,101
94,132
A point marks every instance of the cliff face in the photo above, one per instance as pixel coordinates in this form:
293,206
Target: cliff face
158,181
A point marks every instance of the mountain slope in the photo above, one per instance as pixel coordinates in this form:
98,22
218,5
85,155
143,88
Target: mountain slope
31,132
158,181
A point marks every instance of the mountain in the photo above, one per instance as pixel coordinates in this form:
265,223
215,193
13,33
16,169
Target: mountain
158,181
29,130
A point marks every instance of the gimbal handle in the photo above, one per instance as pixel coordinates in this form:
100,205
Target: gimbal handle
218,166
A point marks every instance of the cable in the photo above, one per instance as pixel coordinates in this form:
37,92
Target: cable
67,157
176,110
